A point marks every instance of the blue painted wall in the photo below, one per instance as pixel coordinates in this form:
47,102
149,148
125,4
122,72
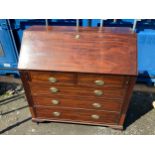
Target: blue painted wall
9,59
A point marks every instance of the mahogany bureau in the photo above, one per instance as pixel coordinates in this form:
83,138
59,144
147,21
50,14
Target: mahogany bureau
79,76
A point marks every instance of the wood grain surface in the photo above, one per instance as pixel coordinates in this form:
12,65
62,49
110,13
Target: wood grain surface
44,89
85,79
80,62
77,115
110,51
80,102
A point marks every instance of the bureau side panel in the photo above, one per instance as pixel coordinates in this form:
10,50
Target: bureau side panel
127,99
25,77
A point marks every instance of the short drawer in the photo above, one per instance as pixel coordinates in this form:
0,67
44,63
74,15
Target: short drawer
52,77
99,80
79,115
55,91
79,102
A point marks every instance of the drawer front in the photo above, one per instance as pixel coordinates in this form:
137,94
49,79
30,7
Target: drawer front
79,102
94,116
52,77
96,80
55,91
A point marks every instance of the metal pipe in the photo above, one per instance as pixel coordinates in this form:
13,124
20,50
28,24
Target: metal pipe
77,36
134,25
115,20
101,24
46,22
77,24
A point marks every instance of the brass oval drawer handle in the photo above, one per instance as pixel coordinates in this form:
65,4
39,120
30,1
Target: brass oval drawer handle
99,82
56,114
95,116
96,105
98,92
55,102
54,90
52,79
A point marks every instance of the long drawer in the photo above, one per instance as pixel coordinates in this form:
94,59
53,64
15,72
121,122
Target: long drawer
55,91
73,115
79,102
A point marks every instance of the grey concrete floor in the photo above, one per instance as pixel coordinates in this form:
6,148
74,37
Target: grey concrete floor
15,119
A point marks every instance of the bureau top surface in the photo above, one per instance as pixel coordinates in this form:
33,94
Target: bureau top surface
88,50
